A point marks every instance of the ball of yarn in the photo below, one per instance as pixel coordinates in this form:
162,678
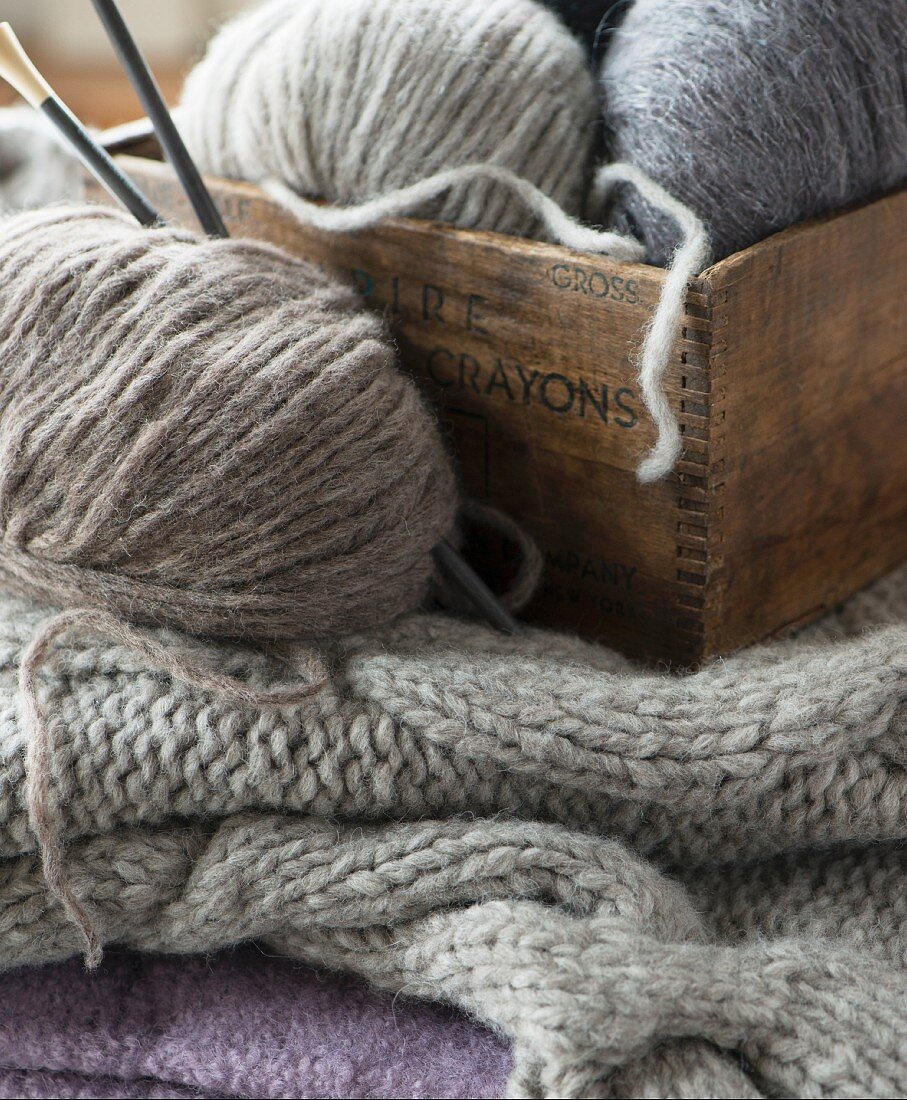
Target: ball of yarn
346,100
209,435
757,113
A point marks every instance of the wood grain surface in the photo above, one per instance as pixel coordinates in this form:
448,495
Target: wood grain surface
808,493
788,379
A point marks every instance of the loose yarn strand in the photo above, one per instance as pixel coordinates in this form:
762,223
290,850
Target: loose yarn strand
812,114
43,811
561,227
660,335
688,260
524,584
347,100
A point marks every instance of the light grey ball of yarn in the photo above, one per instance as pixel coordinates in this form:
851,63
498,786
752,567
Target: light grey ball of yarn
209,435
345,100
35,168
757,113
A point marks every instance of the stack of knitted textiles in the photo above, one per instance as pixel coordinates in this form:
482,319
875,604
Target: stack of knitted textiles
648,884
640,883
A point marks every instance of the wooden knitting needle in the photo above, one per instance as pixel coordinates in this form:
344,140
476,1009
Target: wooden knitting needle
18,70
142,79
449,561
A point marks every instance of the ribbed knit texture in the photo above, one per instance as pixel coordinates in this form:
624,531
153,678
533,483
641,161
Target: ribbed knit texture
611,865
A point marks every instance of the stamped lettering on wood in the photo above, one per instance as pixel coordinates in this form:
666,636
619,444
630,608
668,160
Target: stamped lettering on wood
777,509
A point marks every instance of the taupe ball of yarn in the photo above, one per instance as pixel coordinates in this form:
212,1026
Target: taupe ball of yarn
209,435
345,100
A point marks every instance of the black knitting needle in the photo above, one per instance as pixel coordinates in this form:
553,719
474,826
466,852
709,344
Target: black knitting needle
149,93
458,570
18,70
447,558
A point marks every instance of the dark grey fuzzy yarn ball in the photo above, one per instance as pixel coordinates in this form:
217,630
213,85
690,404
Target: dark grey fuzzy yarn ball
756,113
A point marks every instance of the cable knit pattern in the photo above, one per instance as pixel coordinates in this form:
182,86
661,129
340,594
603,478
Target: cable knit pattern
585,955
654,884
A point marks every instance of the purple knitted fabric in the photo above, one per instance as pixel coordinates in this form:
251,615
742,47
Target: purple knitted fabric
238,1024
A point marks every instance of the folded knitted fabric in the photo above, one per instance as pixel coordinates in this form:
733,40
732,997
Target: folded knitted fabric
241,1023
789,745
652,884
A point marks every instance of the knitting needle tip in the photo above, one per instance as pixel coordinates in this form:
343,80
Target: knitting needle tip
455,567
18,69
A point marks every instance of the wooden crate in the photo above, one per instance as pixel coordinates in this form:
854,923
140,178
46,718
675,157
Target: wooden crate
789,380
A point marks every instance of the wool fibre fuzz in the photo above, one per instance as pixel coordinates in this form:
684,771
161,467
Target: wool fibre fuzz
756,113
799,744
210,435
346,100
597,965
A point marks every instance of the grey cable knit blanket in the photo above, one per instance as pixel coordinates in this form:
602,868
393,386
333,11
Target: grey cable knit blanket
655,885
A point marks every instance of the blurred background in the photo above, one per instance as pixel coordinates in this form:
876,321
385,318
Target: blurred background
68,43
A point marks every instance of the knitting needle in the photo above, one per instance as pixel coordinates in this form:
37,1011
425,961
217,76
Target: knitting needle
446,557
456,568
142,79
17,68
